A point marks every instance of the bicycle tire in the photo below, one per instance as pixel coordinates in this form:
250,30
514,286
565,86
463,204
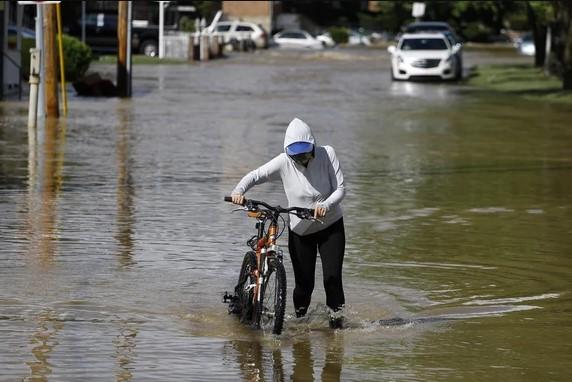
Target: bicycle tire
270,311
246,278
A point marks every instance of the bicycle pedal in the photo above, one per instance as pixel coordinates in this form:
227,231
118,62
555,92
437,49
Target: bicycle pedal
229,298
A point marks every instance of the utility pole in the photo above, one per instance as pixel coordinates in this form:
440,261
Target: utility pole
2,10
51,61
123,69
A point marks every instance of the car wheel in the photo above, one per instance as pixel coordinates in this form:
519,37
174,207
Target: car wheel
149,48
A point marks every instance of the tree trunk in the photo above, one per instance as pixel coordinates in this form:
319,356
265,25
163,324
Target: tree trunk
566,15
538,35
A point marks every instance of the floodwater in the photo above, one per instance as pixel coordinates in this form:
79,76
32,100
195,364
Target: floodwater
116,247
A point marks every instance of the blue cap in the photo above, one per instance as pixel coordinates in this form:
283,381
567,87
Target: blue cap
299,148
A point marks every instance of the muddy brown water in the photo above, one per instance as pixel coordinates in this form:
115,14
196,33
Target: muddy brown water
116,246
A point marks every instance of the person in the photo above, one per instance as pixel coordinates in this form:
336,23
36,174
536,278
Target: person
312,178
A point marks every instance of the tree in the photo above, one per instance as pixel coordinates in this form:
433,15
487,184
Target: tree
540,15
563,43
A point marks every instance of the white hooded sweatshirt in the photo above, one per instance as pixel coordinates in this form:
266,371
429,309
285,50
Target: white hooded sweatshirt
320,182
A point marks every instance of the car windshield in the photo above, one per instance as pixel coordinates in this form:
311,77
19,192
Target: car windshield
426,28
423,44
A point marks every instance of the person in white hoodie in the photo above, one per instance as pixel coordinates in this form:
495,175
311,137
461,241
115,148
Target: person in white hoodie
312,178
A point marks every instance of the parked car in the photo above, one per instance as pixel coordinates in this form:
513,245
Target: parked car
25,33
358,37
240,30
101,34
525,45
326,39
297,39
425,55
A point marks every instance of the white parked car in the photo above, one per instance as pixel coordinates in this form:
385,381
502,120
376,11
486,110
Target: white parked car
425,55
326,39
240,30
297,39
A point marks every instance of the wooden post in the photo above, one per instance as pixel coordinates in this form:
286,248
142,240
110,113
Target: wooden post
51,61
122,83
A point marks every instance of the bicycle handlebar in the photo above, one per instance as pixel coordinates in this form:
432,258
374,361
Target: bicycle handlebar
302,213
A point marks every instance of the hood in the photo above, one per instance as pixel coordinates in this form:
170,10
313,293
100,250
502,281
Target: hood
426,54
298,131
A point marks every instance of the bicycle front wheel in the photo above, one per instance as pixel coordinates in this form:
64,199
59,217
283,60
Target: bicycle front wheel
270,310
244,289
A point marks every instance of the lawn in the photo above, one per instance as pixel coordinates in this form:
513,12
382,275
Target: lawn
524,80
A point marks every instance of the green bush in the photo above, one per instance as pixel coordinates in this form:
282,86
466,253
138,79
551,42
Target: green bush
339,34
77,57
186,24
477,32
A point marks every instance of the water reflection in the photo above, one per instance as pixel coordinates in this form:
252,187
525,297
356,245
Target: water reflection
125,351
125,188
261,360
45,178
43,340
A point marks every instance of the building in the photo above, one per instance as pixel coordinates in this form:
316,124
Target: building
258,12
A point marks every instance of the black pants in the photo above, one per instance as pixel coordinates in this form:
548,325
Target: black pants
331,243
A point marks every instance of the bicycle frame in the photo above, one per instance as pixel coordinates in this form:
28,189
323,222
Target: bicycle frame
266,248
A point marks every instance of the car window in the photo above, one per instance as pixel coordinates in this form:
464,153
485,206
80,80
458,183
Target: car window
423,44
244,28
101,20
223,28
296,35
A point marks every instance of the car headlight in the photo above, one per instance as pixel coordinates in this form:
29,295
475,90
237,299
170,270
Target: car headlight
399,60
449,59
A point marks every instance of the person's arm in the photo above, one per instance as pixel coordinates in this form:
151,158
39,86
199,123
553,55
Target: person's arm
264,173
337,179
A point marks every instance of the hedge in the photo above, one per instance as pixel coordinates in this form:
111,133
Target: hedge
77,57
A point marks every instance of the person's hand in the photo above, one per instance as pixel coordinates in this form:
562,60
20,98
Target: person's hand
237,199
319,211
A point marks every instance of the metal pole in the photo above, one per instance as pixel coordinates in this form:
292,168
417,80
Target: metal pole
83,22
128,58
40,47
161,29
19,17
35,59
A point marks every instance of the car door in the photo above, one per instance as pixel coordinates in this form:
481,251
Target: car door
293,40
224,30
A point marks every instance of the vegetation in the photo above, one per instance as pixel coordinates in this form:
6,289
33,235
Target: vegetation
521,80
77,57
339,34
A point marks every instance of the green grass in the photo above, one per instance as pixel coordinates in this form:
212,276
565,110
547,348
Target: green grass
141,60
523,80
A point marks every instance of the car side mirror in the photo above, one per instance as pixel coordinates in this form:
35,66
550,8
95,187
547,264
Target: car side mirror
456,48
391,49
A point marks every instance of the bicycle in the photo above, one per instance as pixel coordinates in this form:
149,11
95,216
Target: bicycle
260,294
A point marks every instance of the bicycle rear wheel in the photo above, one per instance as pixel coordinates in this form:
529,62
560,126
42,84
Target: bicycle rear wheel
243,289
270,310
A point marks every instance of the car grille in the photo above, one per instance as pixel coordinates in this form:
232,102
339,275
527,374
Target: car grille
426,63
